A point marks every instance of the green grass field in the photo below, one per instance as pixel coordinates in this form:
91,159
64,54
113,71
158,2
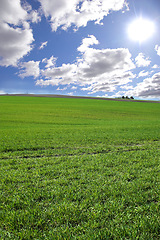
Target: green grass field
79,169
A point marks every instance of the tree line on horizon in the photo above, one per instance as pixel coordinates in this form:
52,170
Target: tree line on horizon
126,97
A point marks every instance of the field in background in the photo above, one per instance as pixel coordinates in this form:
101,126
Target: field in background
79,169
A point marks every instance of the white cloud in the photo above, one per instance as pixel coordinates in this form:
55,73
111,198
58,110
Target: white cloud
126,87
34,16
155,66
148,88
44,44
86,42
74,88
109,83
60,75
64,13
141,61
95,70
14,44
51,62
61,89
12,12
157,48
41,82
30,68
71,93
15,41
112,62
143,74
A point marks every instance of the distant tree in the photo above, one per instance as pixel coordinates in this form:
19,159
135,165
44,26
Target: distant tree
127,97
131,97
123,97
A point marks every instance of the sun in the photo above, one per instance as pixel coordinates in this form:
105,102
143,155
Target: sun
141,29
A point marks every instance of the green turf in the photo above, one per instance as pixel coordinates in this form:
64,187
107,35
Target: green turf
79,169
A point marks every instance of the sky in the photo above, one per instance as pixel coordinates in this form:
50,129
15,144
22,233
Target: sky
100,48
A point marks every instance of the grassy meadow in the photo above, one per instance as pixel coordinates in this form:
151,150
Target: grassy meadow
79,169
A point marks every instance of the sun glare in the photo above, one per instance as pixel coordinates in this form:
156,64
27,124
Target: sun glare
141,29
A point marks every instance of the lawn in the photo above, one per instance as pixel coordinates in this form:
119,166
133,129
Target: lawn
79,169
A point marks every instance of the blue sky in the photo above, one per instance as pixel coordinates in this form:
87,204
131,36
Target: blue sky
80,47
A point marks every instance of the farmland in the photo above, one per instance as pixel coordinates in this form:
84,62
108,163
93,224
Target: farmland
79,169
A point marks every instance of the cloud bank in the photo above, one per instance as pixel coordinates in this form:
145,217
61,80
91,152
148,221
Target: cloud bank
95,69
65,13
148,88
15,17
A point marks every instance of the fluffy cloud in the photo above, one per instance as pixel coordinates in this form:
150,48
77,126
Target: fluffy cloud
126,87
148,88
16,35
95,70
86,42
44,44
51,62
32,15
30,68
109,83
60,72
141,61
12,12
96,63
155,66
66,74
157,48
64,13
143,74
14,44
61,89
